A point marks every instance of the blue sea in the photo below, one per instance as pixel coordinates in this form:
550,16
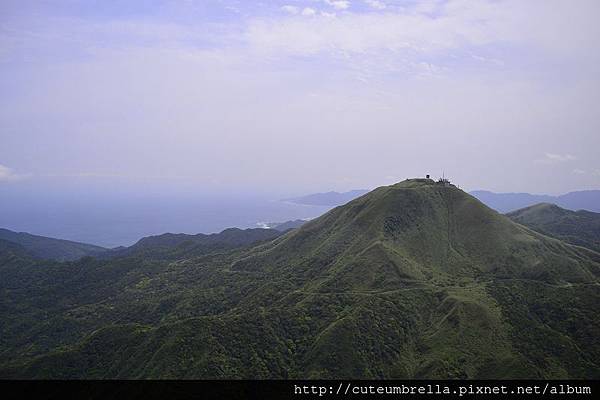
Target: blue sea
111,221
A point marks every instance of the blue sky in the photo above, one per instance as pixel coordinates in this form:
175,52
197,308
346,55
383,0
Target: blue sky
299,96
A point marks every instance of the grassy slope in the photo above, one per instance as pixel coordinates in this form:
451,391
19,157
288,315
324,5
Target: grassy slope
412,280
581,228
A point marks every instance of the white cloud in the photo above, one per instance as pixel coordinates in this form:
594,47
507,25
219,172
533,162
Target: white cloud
359,33
578,171
560,157
451,26
233,9
8,175
376,4
492,61
552,158
93,175
326,14
85,175
338,4
308,12
290,9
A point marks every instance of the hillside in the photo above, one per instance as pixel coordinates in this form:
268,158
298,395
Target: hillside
49,248
413,280
180,245
581,228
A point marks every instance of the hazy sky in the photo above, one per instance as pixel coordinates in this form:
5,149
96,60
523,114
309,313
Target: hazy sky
300,96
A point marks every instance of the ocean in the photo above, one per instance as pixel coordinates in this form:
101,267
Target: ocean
112,221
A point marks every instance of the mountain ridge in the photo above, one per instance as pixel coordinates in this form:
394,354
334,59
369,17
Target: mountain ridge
581,228
180,245
413,280
46,247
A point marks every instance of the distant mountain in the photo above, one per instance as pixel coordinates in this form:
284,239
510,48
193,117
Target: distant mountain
327,199
171,245
581,227
501,202
506,202
49,248
581,200
165,246
287,225
413,280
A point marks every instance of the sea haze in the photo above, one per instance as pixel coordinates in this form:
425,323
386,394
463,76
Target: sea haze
120,219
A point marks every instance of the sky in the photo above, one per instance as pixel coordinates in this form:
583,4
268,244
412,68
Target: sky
298,96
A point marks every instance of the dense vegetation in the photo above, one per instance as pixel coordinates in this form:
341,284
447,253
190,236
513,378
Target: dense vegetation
55,249
581,228
409,281
168,245
180,245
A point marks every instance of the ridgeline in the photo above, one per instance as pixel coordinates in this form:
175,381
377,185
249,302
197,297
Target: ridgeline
413,280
